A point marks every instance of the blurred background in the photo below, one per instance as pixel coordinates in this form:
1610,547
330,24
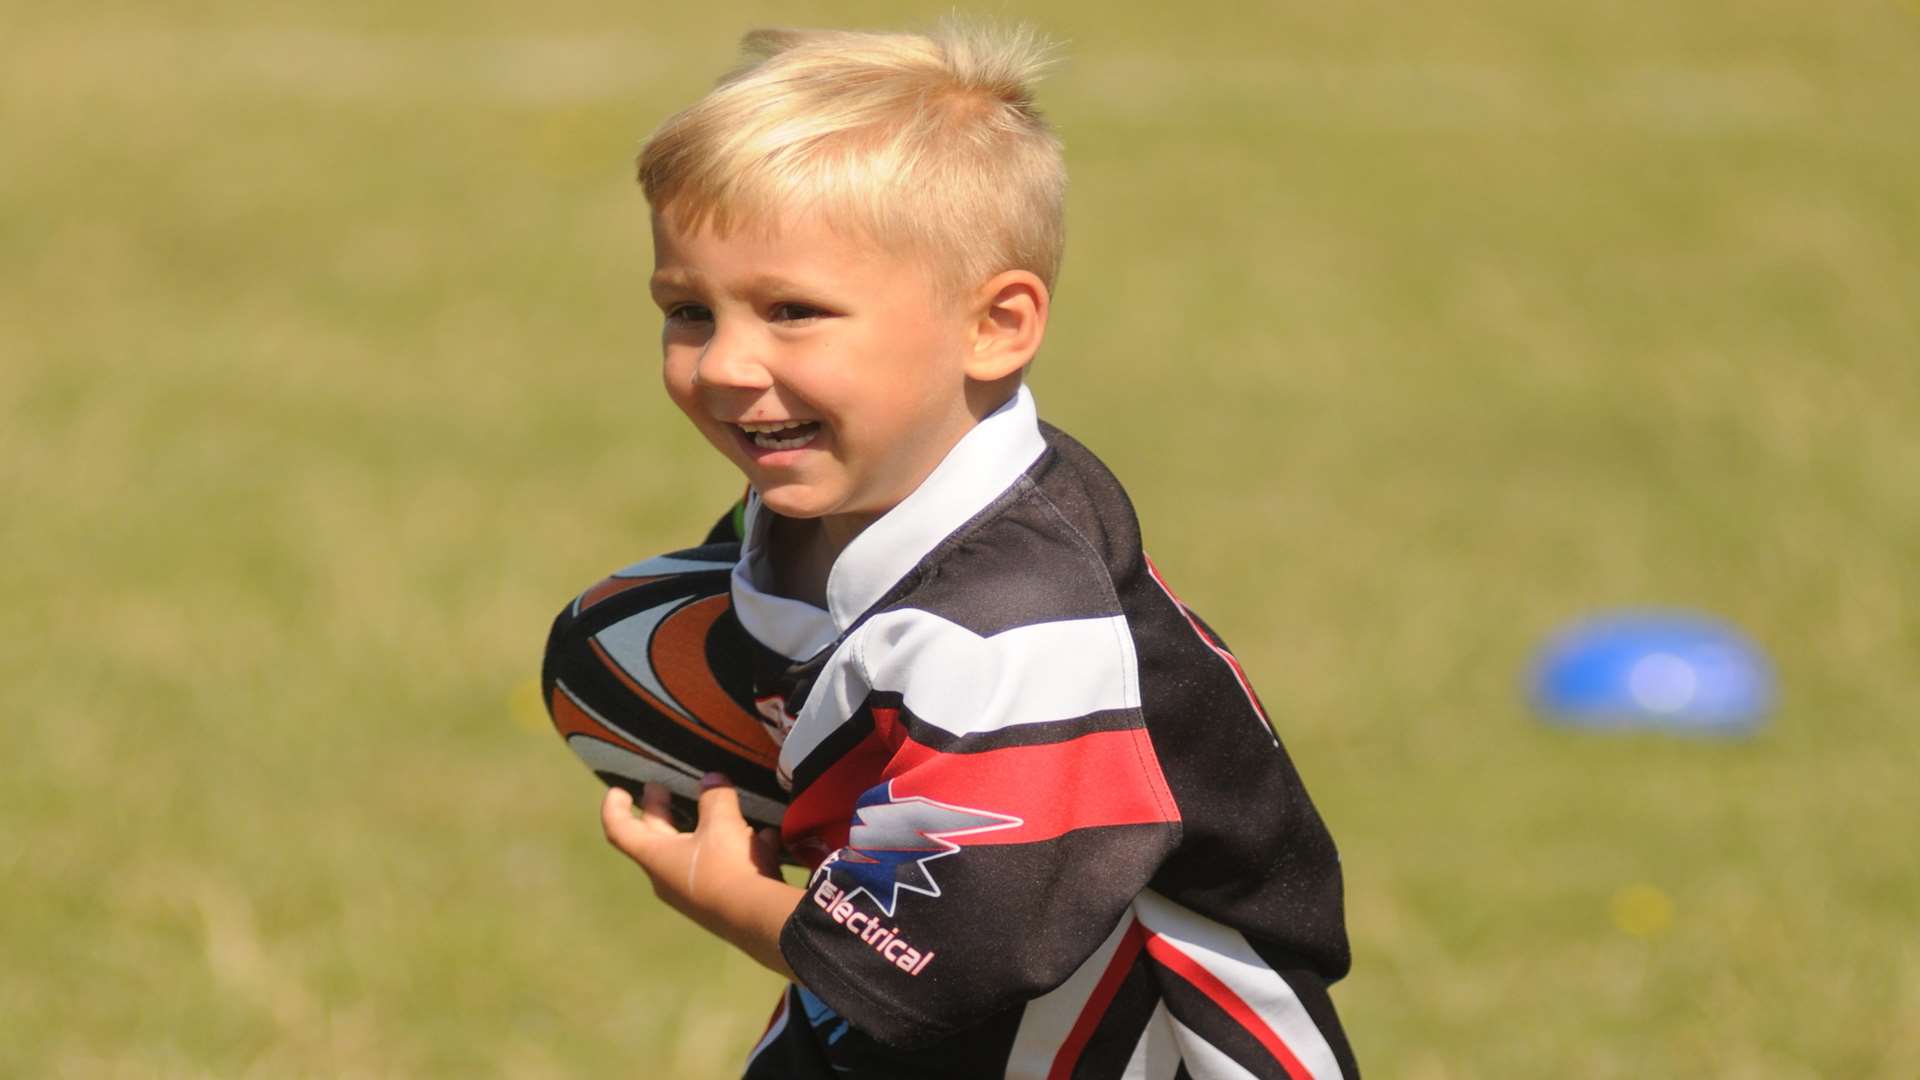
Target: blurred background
327,375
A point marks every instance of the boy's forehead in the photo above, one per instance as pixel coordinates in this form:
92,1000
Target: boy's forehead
762,235
789,249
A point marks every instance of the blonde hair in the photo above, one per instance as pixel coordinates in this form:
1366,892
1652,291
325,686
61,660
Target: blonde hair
927,141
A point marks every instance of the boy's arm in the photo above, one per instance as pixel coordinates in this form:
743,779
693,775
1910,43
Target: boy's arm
1019,809
721,875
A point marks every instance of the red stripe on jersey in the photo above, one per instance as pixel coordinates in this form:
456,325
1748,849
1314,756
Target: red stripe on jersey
823,813
1170,956
1101,778
1053,788
1083,1028
1207,639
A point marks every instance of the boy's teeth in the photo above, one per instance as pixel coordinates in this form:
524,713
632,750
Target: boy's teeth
768,436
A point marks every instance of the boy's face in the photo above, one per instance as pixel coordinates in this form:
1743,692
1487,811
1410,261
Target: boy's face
852,345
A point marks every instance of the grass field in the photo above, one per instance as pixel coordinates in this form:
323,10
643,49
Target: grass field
327,374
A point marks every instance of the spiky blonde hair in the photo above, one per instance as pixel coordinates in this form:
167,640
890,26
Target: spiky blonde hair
924,142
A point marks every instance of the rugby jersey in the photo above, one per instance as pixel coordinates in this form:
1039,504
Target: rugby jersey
1052,831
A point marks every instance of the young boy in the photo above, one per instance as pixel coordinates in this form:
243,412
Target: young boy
1052,833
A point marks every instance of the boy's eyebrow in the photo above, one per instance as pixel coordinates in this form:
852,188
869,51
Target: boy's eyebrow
665,280
670,280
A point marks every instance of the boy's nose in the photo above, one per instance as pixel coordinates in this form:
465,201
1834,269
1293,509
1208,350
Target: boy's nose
732,362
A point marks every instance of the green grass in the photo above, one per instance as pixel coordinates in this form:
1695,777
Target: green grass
326,375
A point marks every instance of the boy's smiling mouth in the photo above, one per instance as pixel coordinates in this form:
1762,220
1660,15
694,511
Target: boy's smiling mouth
781,434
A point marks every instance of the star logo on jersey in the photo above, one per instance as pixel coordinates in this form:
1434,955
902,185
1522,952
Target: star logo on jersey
893,840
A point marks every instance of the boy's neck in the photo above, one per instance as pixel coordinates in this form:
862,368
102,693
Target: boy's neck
802,552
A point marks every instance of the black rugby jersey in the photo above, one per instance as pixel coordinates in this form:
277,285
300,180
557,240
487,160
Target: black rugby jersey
1052,831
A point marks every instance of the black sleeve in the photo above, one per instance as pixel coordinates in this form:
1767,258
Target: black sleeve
976,877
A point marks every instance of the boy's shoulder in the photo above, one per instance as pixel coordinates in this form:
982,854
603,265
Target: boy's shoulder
1014,623
1058,544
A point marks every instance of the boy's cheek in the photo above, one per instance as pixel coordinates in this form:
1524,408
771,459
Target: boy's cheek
676,374
721,439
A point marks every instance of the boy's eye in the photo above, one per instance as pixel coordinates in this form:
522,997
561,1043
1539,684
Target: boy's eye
689,313
792,312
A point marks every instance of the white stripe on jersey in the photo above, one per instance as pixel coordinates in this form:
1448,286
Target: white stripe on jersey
1158,1055
837,691
1030,674
957,680
1227,956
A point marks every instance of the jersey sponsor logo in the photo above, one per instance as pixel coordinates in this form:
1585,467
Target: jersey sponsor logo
892,841
883,939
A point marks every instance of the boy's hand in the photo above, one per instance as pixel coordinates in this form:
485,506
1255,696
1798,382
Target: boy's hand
721,875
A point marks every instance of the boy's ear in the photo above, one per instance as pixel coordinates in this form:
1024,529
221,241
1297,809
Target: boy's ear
1011,319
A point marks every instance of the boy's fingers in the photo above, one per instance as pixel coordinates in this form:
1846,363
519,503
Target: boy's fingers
719,801
656,805
766,852
623,830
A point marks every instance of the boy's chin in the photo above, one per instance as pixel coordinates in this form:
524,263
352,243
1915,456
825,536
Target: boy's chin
801,505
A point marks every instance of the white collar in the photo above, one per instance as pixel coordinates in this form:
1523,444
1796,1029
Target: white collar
985,462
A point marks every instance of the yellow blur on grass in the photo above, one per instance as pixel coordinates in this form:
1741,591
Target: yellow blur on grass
1641,910
327,376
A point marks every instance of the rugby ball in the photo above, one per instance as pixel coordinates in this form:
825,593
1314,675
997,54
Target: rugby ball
648,678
